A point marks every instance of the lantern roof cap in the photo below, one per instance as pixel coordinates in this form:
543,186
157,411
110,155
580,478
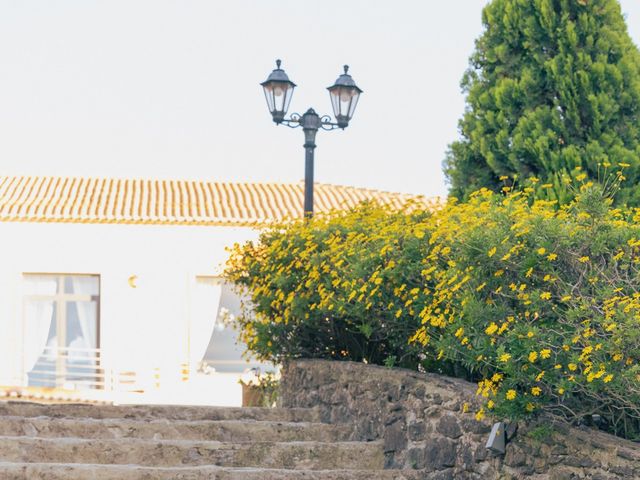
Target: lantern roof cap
345,80
278,75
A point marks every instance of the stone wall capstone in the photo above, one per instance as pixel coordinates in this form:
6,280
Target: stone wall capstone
421,420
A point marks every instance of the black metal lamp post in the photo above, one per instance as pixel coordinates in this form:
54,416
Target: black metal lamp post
278,90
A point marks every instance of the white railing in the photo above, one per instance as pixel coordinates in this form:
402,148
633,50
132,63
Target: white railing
80,374
68,368
82,369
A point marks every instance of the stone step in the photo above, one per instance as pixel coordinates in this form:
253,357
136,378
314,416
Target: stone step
171,453
47,471
219,430
150,412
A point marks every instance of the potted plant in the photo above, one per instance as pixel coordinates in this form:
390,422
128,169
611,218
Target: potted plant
259,390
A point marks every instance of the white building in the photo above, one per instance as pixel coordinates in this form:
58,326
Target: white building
110,289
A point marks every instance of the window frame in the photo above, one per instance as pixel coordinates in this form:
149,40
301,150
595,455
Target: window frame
60,299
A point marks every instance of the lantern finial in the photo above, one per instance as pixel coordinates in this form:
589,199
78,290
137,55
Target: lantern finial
346,69
278,63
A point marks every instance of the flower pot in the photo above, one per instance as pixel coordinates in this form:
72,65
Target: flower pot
252,396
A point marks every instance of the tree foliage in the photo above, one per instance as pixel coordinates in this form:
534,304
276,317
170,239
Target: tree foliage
553,91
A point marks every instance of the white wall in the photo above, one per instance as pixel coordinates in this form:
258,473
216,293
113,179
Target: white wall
146,325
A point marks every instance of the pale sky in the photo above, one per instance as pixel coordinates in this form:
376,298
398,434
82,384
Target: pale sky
170,89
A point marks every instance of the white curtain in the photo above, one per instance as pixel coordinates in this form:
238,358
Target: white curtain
38,315
87,316
204,313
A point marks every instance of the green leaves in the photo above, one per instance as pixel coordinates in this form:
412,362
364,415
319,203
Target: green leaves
553,85
335,287
539,304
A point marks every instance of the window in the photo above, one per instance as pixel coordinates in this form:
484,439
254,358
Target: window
61,330
214,304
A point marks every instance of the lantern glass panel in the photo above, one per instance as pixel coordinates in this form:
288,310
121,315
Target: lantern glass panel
268,95
344,100
278,95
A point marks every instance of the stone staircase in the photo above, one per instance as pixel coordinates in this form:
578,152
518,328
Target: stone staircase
87,442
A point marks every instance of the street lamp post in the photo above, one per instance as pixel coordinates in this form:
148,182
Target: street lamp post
344,93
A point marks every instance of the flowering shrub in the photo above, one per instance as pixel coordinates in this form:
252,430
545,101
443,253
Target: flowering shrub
542,303
265,385
539,304
331,287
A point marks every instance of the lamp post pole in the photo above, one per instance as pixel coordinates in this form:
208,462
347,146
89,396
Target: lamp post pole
310,122
278,90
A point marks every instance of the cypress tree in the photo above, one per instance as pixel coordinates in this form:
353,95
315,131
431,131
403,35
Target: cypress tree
553,92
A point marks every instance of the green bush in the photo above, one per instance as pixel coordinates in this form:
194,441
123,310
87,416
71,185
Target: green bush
543,304
329,287
539,304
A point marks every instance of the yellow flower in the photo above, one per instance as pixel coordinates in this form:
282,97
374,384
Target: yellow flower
530,334
529,272
572,367
533,356
490,404
511,395
617,357
545,295
536,391
492,252
584,259
551,257
557,366
530,407
459,332
542,251
505,357
480,414
539,376
561,391
608,378
491,329
465,407
545,353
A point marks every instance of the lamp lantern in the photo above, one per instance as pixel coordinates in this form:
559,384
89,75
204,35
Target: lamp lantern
344,98
278,90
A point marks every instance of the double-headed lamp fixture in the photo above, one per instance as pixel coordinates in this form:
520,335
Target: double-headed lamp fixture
278,91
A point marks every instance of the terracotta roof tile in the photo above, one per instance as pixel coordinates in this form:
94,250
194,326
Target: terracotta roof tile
176,202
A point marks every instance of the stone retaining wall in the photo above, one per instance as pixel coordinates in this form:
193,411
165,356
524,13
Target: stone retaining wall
420,418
